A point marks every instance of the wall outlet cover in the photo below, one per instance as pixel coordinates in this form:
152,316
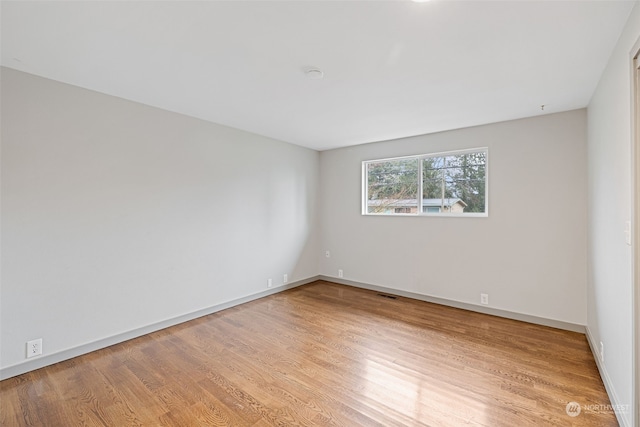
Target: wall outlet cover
34,348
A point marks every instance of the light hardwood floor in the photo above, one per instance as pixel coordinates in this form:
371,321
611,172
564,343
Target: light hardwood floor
322,354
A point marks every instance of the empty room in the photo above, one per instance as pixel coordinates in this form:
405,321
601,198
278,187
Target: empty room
320,213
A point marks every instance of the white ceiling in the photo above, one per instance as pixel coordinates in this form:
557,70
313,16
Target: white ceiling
391,68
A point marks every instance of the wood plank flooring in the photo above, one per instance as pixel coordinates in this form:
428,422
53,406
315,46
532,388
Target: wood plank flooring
322,355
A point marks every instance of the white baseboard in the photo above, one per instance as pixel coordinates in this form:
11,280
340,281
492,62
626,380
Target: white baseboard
50,359
465,306
622,417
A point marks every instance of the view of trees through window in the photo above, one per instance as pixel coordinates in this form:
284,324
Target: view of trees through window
452,183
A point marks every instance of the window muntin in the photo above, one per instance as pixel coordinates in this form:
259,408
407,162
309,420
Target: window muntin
451,184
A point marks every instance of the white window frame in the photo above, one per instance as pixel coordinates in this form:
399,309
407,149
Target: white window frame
420,158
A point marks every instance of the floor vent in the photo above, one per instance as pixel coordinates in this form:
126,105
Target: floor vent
387,296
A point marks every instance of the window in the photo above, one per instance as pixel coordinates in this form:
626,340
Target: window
453,183
431,209
402,210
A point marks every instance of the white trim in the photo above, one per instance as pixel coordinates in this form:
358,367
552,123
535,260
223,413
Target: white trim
420,158
420,195
558,324
50,359
574,327
635,232
439,154
365,189
433,214
606,380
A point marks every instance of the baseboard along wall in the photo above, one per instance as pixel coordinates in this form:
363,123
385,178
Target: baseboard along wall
608,385
465,306
50,359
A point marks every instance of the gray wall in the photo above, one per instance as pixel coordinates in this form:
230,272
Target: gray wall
529,255
116,216
610,283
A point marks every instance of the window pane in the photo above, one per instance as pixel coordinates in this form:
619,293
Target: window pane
392,186
451,183
454,183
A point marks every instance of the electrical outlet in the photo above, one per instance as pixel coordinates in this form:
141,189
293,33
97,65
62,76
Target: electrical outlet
285,279
269,283
340,273
601,351
484,299
627,232
34,348
327,254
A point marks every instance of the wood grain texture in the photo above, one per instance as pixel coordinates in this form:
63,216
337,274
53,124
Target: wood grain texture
322,355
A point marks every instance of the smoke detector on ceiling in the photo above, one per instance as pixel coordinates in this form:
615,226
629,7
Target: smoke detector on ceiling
314,73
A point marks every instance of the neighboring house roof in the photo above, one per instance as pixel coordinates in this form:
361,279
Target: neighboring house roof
448,201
